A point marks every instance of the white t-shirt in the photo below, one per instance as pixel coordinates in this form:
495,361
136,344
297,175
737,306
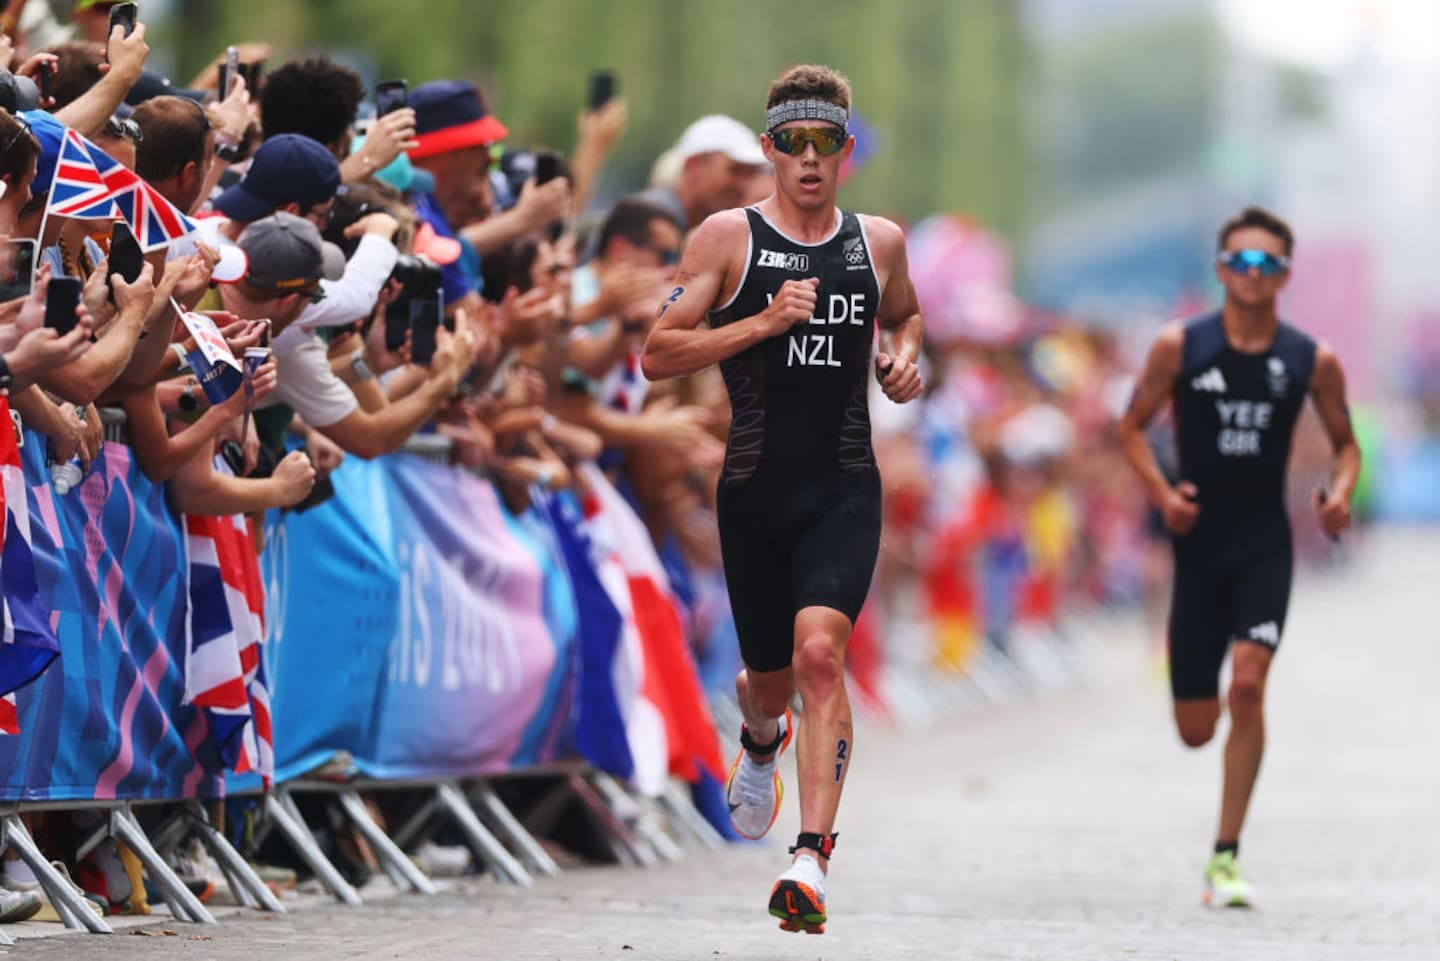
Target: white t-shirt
305,380
354,295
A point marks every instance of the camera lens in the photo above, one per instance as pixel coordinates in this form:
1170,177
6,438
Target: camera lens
419,277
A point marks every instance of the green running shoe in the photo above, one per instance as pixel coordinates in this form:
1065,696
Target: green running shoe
1224,888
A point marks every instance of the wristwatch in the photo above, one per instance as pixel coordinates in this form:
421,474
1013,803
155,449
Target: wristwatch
227,148
357,364
5,377
188,403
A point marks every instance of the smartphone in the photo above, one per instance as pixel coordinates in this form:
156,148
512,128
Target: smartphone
425,319
547,166
397,323
602,88
323,490
43,77
17,268
123,15
125,257
229,68
391,96
60,302
250,72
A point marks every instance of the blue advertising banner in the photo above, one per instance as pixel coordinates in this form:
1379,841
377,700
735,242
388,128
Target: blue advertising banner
106,719
417,625
413,621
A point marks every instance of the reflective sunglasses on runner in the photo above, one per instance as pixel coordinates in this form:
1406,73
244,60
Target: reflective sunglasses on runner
1243,261
792,140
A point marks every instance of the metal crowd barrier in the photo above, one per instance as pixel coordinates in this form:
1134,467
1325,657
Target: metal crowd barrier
495,836
434,448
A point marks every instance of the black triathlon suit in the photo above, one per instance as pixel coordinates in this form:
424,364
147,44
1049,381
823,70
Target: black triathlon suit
1235,414
799,496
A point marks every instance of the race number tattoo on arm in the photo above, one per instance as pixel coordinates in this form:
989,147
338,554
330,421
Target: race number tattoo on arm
842,747
675,295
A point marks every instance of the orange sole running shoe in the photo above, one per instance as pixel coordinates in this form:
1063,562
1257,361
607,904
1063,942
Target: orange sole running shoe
798,906
750,804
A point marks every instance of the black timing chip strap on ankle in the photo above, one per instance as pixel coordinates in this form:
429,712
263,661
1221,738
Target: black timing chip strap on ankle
815,842
748,743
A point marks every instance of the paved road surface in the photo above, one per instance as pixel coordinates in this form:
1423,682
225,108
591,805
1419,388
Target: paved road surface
1073,827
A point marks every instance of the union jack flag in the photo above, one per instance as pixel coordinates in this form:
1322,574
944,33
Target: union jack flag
155,221
224,671
91,183
79,190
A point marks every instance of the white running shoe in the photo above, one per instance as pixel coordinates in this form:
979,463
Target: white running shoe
754,791
798,897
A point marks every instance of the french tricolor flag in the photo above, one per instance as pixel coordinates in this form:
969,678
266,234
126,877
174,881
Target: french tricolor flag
667,719
224,673
27,641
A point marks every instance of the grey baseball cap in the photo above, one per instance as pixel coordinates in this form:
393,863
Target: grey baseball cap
287,254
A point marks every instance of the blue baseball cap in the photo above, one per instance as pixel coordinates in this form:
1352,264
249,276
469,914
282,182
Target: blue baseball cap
287,169
451,115
49,132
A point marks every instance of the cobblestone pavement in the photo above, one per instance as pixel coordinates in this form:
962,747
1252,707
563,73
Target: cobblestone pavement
1072,826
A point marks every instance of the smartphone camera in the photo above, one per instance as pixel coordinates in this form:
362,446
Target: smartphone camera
391,96
602,88
61,300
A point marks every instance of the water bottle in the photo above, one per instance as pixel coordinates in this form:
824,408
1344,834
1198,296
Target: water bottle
65,475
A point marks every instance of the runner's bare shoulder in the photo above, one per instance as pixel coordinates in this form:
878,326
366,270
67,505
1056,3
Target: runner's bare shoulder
719,235
884,235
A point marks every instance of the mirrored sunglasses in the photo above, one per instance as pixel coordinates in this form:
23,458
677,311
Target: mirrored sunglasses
792,140
1244,261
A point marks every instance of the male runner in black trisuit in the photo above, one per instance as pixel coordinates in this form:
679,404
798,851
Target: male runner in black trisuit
1238,380
793,290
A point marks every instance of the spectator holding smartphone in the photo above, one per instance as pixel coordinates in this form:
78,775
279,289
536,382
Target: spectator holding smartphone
288,259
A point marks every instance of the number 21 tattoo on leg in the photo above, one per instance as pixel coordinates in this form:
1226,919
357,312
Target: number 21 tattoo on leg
842,748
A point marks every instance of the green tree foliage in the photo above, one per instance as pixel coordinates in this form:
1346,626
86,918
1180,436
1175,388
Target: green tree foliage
938,80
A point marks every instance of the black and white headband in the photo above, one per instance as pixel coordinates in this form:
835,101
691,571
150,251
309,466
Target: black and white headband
783,113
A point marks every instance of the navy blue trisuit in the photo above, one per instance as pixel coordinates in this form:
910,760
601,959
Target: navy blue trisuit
799,494
1235,415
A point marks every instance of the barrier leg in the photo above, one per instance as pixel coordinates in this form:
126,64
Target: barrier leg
183,902
522,841
397,864
237,888
419,827
287,819
689,819
485,845
83,849
633,812
249,890
628,848
168,836
73,909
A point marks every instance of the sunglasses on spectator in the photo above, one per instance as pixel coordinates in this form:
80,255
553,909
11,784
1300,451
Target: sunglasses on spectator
669,256
1244,261
792,140
124,128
